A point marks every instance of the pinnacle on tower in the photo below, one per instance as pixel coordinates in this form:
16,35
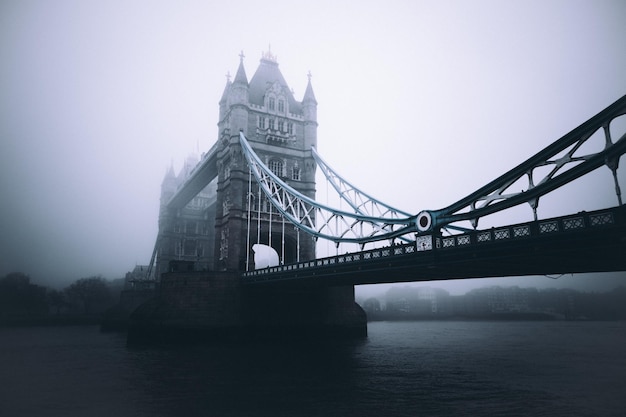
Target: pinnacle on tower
268,56
309,96
240,77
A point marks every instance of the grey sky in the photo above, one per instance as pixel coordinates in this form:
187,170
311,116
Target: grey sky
420,103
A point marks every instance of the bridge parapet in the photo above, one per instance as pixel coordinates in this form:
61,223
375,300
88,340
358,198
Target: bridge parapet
577,221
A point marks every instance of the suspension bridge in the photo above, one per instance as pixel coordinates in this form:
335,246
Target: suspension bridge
255,190
444,243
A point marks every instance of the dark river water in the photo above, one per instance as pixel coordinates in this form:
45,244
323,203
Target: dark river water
429,368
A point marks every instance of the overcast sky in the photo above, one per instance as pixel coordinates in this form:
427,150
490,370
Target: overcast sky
420,103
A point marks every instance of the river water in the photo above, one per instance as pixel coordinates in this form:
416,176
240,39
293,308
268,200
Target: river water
423,368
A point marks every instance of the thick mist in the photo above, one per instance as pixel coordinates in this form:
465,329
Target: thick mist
420,103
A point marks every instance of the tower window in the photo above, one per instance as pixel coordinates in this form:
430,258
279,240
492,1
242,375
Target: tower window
295,173
281,106
276,166
271,103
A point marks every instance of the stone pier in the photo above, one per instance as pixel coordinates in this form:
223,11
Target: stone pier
213,306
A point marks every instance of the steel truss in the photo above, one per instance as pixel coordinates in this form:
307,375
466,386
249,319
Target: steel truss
564,166
361,202
320,220
373,220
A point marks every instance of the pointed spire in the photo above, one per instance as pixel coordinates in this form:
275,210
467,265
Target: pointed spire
226,88
268,56
241,77
309,96
170,171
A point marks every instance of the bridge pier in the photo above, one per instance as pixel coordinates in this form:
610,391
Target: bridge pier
214,306
303,313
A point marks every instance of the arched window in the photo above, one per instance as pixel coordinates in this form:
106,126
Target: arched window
295,173
281,106
276,166
271,103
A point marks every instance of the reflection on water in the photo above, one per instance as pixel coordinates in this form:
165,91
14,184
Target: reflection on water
408,368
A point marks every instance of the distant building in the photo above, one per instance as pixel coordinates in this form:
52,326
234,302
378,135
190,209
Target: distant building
417,302
498,300
188,238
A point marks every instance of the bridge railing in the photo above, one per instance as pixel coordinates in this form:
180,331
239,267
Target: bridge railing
577,221
428,243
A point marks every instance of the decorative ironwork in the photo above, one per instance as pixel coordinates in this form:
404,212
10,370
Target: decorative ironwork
521,231
573,223
600,219
502,234
549,227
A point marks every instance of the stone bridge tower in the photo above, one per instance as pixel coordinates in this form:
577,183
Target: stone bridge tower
282,131
205,245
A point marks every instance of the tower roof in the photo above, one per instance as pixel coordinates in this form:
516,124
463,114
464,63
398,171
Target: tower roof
267,74
308,94
241,77
170,171
226,89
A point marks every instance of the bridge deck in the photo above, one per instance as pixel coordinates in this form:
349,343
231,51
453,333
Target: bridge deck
583,242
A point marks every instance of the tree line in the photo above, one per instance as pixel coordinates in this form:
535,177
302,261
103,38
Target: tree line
24,302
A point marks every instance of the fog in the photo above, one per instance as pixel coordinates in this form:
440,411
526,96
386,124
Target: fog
420,103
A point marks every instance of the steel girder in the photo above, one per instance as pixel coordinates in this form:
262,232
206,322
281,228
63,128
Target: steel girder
361,202
563,167
318,219
373,220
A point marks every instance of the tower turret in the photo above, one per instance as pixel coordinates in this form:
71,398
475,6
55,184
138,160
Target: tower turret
309,111
224,100
238,101
168,185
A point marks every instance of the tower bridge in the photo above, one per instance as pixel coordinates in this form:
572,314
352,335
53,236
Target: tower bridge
255,189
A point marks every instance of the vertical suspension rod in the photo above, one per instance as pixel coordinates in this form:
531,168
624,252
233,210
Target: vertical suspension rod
249,212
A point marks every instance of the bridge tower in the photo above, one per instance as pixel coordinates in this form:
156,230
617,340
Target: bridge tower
282,131
185,235
205,245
